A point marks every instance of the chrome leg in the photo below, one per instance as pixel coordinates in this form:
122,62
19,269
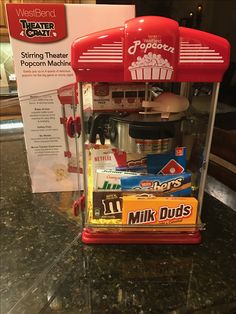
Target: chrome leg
206,153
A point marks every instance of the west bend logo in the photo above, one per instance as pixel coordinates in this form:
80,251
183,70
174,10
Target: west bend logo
36,13
37,23
38,29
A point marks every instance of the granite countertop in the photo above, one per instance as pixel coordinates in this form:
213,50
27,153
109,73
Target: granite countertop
9,106
46,269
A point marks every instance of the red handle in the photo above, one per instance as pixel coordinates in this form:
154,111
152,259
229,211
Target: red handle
73,126
77,125
79,204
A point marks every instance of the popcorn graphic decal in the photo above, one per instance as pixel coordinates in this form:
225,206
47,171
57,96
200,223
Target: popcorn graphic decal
151,67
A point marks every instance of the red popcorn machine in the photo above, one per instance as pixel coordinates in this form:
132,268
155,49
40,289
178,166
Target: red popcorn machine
145,169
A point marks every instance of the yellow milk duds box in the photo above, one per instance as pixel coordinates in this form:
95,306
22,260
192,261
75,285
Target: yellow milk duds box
143,209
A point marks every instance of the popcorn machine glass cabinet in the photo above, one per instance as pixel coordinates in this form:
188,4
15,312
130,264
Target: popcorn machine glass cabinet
152,190
145,165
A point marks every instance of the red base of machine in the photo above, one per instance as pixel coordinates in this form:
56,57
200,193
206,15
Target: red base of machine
89,237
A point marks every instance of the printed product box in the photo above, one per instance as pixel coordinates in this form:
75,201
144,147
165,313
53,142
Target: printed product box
106,158
110,179
107,205
41,36
174,185
135,162
168,163
125,207
139,209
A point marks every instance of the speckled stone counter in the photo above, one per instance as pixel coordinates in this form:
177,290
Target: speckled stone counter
33,232
46,269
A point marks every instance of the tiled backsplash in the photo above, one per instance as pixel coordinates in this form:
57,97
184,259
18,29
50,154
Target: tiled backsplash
7,67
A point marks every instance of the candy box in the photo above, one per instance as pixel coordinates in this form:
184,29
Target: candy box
110,179
175,185
147,209
107,205
168,163
105,157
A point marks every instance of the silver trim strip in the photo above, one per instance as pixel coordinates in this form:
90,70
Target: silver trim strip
206,153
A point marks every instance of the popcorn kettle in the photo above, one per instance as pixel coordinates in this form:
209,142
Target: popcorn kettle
155,129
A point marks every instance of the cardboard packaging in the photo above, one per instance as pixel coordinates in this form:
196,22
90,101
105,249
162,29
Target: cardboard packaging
41,36
110,179
106,158
141,209
168,163
174,185
107,205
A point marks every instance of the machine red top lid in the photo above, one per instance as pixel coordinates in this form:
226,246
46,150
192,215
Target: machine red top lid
147,49
68,94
